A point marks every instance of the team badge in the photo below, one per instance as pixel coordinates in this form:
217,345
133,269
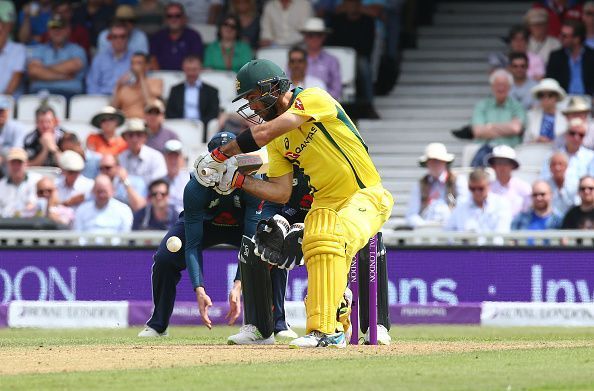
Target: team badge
299,104
292,155
236,201
237,85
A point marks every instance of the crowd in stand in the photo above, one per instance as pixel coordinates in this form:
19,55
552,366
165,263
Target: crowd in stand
541,95
130,174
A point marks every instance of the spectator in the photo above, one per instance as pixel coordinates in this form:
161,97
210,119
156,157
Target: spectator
12,133
94,16
297,67
588,20
8,14
103,214
582,216
228,52
579,107
545,121
172,44
107,141
540,42
249,20
498,119
111,64
18,187
514,190
149,15
158,214
42,143
320,63
521,89
137,40
73,188
517,39
202,11
355,27
70,142
572,65
138,159
193,99
435,195
33,20
12,56
154,115
558,12
564,189
541,216
51,207
135,89
129,189
579,157
177,176
57,66
483,212
78,33
281,21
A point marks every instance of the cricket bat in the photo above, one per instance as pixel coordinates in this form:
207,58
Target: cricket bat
248,163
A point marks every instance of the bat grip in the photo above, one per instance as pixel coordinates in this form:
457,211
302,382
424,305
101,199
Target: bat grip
207,171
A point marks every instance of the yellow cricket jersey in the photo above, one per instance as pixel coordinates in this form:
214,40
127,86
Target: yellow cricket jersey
327,147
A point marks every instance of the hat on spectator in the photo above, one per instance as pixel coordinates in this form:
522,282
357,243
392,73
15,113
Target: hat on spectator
7,11
548,85
536,16
71,161
503,152
125,12
107,112
5,103
134,125
315,25
436,151
173,146
17,154
576,104
155,104
56,21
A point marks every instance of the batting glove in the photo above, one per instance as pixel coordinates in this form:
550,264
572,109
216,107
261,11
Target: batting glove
231,178
270,235
209,167
292,252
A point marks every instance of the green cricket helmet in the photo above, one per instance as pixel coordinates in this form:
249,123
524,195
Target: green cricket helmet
269,80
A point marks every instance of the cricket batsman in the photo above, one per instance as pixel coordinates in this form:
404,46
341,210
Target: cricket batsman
310,129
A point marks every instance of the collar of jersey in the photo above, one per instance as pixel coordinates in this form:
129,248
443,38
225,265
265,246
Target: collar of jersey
296,92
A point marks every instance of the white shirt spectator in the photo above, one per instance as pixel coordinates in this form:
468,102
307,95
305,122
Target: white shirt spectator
197,10
192,100
82,185
564,198
115,217
12,59
19,201
495,216
280,25
12,134
578,165
176,189
517,193
149,164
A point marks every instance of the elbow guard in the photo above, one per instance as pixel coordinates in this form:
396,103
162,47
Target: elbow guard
246,142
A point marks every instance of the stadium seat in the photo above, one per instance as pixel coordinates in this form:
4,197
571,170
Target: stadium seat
208,32
170,78
468,153
347,58
224,81
533,154
190,134
277,55
53,172
84,107
27,104
11,100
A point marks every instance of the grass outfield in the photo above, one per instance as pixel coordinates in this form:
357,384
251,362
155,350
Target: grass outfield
421,358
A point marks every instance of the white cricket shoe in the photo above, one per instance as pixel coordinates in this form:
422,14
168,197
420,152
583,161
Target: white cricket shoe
317,339
249,335
383,338
286,334
149,332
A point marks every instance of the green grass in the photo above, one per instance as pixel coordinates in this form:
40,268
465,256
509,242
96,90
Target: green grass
519,369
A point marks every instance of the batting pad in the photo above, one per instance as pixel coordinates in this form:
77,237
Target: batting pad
326,262
256,287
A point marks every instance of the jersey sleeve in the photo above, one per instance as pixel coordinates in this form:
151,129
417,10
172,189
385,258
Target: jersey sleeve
314,103
277,164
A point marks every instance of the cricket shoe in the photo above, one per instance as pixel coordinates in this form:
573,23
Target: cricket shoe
149,332
317,339
383,338
286,334
249,335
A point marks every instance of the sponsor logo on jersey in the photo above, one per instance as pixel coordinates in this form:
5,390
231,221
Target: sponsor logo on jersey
292,155
225,219
306,201
298,104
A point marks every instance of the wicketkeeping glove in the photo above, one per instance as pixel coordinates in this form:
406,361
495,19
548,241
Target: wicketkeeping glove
231,178
292,252
209,167
269,238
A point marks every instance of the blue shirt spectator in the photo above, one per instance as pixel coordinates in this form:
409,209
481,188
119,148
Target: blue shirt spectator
576,81
33,19
541,216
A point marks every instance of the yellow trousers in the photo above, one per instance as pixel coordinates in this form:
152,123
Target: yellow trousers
331,239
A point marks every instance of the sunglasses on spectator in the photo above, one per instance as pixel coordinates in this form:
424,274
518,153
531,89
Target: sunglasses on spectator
541,95
573,133
476,189
159,193
295,60
118,36
103,168
175,16
41,192
536,195
135,134
588,188
154,112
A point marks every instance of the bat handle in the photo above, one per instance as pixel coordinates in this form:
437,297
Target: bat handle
207,172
